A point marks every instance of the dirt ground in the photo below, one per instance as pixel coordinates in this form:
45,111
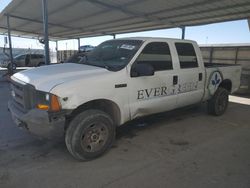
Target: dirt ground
182,149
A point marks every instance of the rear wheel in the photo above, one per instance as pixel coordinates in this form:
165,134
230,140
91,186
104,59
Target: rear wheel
40,64
90,134
14,66
217,105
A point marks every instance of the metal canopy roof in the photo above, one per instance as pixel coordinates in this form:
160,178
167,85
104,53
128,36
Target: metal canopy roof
85,18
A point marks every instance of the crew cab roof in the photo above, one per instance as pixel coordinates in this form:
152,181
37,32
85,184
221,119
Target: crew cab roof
155,39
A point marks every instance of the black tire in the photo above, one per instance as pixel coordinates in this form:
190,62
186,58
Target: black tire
90,134
217,105
14,66
41,64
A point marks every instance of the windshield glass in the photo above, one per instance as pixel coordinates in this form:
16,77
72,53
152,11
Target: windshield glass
113,55
77,58
19,57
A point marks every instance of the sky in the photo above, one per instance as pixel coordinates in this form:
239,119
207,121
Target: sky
218,33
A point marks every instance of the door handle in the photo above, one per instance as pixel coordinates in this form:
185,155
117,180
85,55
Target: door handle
175,80
200,76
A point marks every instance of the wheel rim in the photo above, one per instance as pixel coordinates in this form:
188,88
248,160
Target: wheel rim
94,137
222,102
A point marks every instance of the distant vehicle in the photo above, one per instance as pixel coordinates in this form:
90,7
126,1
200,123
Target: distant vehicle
86,48
24,60
79,57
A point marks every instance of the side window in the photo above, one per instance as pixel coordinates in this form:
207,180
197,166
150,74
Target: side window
40,56
187,55
23,57
33,56
28,56
158,55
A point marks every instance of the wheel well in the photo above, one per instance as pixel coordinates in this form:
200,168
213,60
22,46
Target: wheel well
226,84
41,63
107,106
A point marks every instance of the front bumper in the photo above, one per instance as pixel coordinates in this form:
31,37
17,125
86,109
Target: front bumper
38,122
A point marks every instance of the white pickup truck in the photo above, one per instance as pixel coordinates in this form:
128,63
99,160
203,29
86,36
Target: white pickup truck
120,80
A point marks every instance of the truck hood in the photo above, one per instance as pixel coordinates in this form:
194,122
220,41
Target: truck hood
46,77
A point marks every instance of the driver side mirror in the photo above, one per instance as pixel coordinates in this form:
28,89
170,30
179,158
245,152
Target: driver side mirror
142,69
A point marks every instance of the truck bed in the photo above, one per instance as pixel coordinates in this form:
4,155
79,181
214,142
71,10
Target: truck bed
230,72
210,65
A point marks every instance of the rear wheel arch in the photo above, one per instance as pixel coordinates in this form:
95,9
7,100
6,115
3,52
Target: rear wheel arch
226,84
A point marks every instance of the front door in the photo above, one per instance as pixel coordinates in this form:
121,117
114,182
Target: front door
156,93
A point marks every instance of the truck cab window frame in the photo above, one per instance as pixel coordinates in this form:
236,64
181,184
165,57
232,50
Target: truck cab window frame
187,55
158,55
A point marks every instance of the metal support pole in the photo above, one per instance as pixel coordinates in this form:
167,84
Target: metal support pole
183,32
57,51
10,46
236,55
79,44
56,46
248,23
113,36
45,28
211,55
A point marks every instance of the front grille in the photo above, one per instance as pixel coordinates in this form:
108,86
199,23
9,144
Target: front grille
22,95
17,91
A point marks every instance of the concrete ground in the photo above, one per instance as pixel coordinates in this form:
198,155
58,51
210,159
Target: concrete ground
182,149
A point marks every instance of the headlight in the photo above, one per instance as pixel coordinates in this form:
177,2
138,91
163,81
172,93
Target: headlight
47,101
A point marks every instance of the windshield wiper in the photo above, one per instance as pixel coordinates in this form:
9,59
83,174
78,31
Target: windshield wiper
102,64
108,67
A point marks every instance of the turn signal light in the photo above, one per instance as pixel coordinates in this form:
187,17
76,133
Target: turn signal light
42,107
54,104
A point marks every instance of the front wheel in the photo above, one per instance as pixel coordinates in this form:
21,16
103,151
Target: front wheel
217,105
90,134
14,66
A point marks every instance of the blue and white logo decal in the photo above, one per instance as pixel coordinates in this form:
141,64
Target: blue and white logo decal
215,80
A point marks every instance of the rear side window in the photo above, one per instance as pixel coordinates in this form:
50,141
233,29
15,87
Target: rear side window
157,54
36,56
40,56
20,57
33,56
187,55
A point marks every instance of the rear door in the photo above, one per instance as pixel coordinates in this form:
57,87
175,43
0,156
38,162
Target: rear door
34,60
28,60
191,76
152,94
20,61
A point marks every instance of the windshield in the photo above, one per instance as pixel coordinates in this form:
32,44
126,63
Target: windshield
77,58
114,54
19,57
